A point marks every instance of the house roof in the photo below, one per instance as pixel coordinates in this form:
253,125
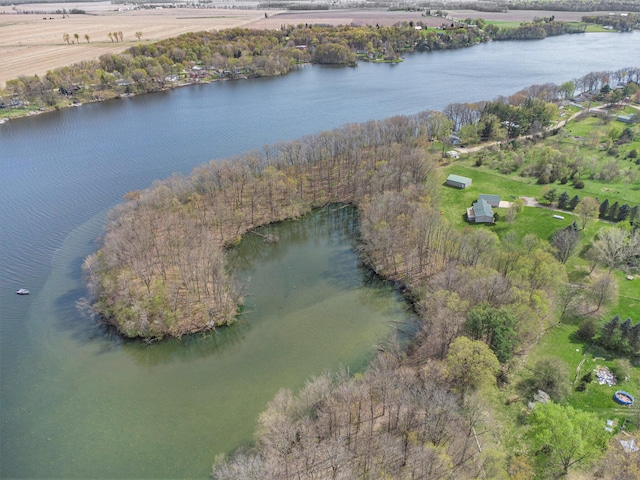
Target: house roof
458,178
481,208
490,198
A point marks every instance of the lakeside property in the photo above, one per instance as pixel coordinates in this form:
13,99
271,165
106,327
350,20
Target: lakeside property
58,338
33,43
200,57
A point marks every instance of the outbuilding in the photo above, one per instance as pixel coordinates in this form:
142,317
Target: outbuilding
493,200
458,181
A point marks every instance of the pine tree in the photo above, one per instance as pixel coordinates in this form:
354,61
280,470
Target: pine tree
563,200
573,202
625,328
572,227
634,338
610,332
633,214
613,211
604,208
623,212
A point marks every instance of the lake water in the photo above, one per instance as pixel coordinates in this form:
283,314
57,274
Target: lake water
77,403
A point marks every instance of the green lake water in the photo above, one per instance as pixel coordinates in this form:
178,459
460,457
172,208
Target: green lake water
99,407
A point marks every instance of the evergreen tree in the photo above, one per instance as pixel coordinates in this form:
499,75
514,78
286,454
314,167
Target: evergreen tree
625,328
604,208
613,211
634,338
610,332
573,202
572,227
563,201
623,212
633,214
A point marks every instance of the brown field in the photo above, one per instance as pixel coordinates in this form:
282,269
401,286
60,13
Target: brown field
32,43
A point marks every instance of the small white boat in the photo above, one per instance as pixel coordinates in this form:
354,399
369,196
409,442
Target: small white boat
23,291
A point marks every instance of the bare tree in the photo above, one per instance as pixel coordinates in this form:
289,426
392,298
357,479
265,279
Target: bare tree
601,290
565,241
616,247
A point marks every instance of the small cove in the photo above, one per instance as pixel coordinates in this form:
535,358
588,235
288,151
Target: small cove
167,409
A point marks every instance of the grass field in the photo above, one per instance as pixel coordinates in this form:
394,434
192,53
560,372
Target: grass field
561,342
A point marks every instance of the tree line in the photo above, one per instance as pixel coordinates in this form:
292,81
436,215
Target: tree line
237,52
623,23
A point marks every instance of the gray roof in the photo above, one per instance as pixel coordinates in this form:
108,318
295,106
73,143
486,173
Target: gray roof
459,179
482,209
489,197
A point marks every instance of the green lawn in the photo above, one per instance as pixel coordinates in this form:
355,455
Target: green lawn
588,139
628,297
501,23
560,342
592,28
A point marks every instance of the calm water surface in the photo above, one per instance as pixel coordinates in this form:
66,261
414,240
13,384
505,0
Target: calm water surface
76,403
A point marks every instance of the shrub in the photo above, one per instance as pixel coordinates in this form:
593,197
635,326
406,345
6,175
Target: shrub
621,369
587,377
549,375
587,330
579,184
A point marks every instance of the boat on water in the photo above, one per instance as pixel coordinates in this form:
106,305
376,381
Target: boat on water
23,291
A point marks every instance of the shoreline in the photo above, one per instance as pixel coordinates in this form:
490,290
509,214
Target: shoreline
33,45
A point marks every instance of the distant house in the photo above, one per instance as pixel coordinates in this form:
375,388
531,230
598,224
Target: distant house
626,118
480,212
457,181
493,200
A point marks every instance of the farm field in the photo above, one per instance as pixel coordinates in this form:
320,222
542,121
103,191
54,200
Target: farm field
33,43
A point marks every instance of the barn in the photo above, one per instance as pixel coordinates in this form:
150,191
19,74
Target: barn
457,181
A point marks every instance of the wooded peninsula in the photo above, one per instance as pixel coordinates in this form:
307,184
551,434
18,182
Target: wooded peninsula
485,297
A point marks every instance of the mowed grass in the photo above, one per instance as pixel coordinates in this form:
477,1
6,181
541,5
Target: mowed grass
628,297
454,203
580,358
502,23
